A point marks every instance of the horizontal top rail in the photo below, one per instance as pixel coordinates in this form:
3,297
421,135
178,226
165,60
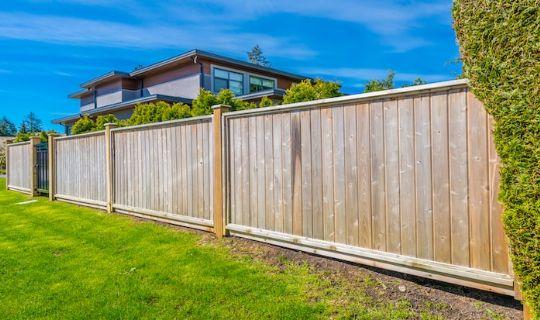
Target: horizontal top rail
361,97
82,135
164,123
18,143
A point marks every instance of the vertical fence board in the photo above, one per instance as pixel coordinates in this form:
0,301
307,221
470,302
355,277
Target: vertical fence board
440,178
457,136
424,211
377,177
407,185
478,185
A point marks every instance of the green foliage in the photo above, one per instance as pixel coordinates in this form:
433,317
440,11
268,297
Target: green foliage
158,112
25,136
84,124
101,121
500,48
7,128
312,90
379,85
266,102
256,56
202,105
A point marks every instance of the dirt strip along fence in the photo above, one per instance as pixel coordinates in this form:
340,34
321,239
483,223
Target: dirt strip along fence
404,179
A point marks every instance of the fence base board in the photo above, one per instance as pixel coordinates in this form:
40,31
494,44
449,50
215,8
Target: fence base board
19,189
479,279
81,201
184,221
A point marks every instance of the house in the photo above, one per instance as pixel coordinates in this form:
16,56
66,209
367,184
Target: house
178,79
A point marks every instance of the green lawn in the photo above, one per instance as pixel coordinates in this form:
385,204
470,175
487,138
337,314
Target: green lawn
62,261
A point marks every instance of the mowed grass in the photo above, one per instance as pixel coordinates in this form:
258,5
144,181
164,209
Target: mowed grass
59,260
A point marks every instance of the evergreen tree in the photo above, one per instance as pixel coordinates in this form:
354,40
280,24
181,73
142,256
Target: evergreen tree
7,128
256,56
32,123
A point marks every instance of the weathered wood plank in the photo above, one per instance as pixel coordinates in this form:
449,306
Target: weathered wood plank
328,174
391,159
351,174
478,184
407,201
424,211
307,200
457,146
316,176
440,178
296,173
378,192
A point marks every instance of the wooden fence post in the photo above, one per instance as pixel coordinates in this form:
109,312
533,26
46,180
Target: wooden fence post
33,165
109,154
52,166
219,219
6,151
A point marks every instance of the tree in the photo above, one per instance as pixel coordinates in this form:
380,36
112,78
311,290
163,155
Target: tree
417,82
308,90
32,122
7,128
379,85
256,56
499,46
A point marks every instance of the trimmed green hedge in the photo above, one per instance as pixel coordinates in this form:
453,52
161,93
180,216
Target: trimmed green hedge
500,47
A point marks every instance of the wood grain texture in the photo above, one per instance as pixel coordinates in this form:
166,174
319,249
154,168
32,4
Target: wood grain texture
18,170
392,174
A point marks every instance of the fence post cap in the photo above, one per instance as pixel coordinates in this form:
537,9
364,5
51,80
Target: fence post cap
53,134
34,139
221,106
111,125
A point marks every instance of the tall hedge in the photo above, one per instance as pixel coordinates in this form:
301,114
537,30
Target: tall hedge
500,48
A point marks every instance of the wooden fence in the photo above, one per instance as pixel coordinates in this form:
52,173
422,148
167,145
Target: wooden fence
404,179
79,166
19,167
407,181
165,171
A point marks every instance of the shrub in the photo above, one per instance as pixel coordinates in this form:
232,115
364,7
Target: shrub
158,112
101,121
308,90
500,48
266,102
84,124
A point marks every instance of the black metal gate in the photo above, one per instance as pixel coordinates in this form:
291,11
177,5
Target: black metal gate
42,150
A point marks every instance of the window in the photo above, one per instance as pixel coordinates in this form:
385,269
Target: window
257,84
228,80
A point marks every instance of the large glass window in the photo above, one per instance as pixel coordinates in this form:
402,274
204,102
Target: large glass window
257,84
233,81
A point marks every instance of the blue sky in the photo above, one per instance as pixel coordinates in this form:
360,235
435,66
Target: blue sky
47,48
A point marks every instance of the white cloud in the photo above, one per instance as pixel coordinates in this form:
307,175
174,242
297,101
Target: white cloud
394,21
78,31
365,74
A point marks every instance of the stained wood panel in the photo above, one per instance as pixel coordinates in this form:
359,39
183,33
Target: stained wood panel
165,169
18,170
414,174
80,167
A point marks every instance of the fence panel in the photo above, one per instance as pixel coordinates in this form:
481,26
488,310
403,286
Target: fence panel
80,169
165,171
19,170
403,181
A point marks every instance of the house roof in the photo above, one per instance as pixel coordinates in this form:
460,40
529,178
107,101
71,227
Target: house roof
184,56
122,105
